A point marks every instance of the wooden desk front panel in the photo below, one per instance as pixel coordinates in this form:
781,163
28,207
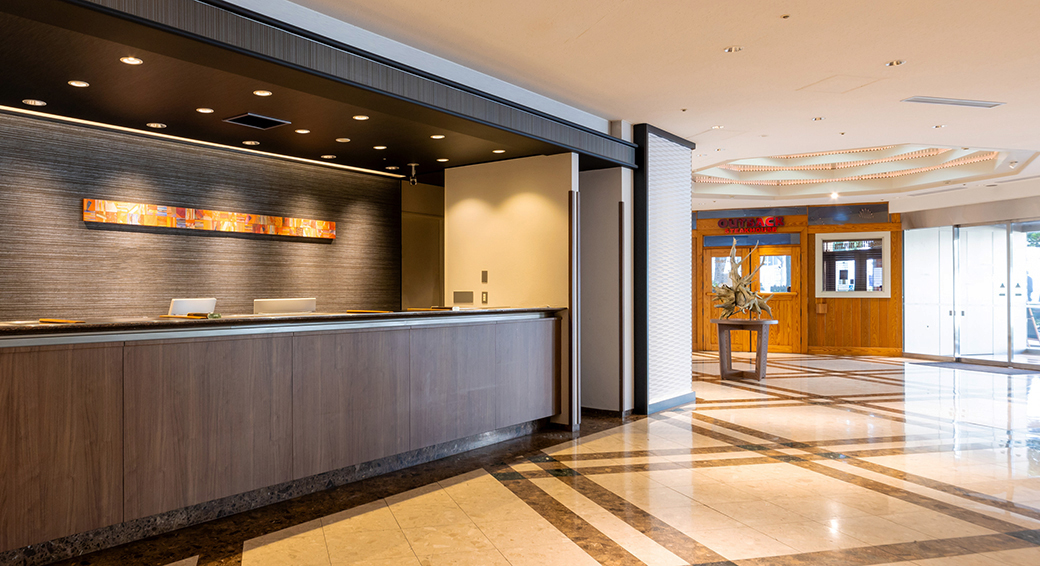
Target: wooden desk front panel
350,398
205,419
60,441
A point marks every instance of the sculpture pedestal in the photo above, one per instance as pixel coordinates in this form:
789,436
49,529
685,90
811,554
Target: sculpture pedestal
727,325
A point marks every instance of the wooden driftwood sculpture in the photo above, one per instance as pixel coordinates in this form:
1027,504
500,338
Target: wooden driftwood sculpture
737,297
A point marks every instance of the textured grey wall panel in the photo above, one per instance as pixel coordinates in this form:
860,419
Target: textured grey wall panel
54,265
224,27
669,270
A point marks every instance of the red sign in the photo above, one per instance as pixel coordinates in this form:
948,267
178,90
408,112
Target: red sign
751,225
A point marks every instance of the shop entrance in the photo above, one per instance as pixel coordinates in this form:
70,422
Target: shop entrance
779,276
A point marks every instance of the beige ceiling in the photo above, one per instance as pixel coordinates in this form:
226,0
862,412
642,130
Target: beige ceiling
646,61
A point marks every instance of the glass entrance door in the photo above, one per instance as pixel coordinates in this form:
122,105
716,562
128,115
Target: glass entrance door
1025,298
981,293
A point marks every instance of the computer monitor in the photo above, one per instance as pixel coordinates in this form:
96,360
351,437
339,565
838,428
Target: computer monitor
185,306
284,306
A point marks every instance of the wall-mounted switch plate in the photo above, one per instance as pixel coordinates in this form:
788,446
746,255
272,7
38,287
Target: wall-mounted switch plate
483,297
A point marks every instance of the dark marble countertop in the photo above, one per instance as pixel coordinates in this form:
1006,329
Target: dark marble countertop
18,328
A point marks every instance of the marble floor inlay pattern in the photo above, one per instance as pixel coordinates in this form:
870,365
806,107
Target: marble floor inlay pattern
828,461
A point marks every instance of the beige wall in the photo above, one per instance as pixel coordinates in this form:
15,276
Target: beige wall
512,219
422,245
509,218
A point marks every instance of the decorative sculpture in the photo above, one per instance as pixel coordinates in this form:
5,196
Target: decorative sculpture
737,297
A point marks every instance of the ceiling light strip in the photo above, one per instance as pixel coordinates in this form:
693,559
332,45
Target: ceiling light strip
836,152
158,135
930,152
967,160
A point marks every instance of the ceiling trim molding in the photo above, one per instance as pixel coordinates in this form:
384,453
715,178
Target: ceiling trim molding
235,28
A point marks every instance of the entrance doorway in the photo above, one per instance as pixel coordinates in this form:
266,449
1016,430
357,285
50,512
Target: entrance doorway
778,276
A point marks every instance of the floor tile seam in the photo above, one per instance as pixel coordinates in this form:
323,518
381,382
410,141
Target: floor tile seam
677,542
579,531
926,502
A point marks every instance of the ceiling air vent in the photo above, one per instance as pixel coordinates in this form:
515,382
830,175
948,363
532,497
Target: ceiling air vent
257,121
953,102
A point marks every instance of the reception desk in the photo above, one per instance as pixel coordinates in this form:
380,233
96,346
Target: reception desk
128,428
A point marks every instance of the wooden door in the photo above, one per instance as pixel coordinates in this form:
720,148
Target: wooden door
779,276
716,271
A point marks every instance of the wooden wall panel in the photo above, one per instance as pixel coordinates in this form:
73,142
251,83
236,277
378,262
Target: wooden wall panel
205,418
858,326
350,398
60,441
526,378
105,271
452,392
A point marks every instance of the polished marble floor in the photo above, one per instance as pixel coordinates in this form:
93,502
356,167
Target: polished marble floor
828,461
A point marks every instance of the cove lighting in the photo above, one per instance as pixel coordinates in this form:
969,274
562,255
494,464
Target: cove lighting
262,92
343,140
33,102
156,125
966,160
930,152
204,110
437,137
250,142
192,141
79,84
835,152
361,117
379,147
302,131
131,60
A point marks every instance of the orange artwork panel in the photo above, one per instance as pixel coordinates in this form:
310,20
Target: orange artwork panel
134,214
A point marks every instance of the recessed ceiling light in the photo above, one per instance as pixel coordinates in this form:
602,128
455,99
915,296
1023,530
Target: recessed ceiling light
717,127
498,151
939,126
131,60
204,110
895,63
443,159
79,84
703,155
156,125
303,131
380,147
328,156
250,142
817,119
392,168
437,137
343,140
733,49
834,196
1013,164
34,102
262,92
718,149
361,117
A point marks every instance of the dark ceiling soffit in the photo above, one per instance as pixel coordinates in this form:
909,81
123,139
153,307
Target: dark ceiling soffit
669,136
281,44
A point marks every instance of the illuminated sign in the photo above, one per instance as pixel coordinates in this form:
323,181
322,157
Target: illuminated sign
751,225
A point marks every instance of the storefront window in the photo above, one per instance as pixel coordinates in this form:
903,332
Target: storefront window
720,271
852,264
775,274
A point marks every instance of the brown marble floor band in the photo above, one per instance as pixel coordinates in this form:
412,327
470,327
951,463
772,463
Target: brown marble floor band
968,515
581,532
674,540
